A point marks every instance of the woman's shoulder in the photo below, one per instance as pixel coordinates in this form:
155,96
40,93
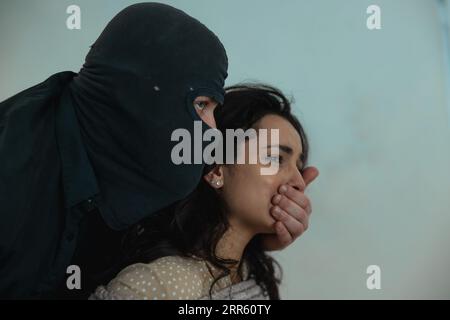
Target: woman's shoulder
172,269
171,277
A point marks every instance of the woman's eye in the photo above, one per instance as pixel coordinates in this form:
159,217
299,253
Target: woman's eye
277,159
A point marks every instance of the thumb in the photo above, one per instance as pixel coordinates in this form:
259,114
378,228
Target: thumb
310,174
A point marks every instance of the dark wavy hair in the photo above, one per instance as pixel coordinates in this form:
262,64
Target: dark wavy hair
193,226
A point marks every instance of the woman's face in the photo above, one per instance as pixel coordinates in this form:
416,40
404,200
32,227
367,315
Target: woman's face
247,194
205,109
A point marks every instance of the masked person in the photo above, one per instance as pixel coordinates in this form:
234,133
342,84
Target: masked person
85,155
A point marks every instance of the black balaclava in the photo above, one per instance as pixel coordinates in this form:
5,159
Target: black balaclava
136,87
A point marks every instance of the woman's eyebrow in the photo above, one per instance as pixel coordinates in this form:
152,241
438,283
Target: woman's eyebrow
282,147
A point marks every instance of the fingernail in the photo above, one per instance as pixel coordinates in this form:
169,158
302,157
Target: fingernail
283,189
276,212
277,198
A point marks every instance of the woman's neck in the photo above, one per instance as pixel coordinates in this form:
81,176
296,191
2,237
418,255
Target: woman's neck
233,243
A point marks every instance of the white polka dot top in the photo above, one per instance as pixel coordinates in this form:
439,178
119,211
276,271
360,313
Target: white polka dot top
172,278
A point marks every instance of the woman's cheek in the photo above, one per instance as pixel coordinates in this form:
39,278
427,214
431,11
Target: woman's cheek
272,183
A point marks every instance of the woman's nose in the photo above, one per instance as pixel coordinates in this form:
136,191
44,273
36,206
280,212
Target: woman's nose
297,180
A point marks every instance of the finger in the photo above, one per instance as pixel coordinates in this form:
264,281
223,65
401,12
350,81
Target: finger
286,203
310,174
292,208
283,234
294,226
298,197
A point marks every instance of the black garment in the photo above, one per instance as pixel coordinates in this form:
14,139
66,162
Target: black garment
99,142
98,253
136,87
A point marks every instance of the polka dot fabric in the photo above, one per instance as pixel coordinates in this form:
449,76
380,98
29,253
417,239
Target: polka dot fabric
167,278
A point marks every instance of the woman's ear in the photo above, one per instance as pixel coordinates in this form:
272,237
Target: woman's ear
215,177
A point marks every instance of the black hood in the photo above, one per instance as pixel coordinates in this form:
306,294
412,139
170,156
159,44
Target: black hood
136,87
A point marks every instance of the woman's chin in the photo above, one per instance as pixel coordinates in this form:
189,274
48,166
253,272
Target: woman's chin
268,225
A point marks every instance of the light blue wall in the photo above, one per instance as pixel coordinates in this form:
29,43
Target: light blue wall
374,105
